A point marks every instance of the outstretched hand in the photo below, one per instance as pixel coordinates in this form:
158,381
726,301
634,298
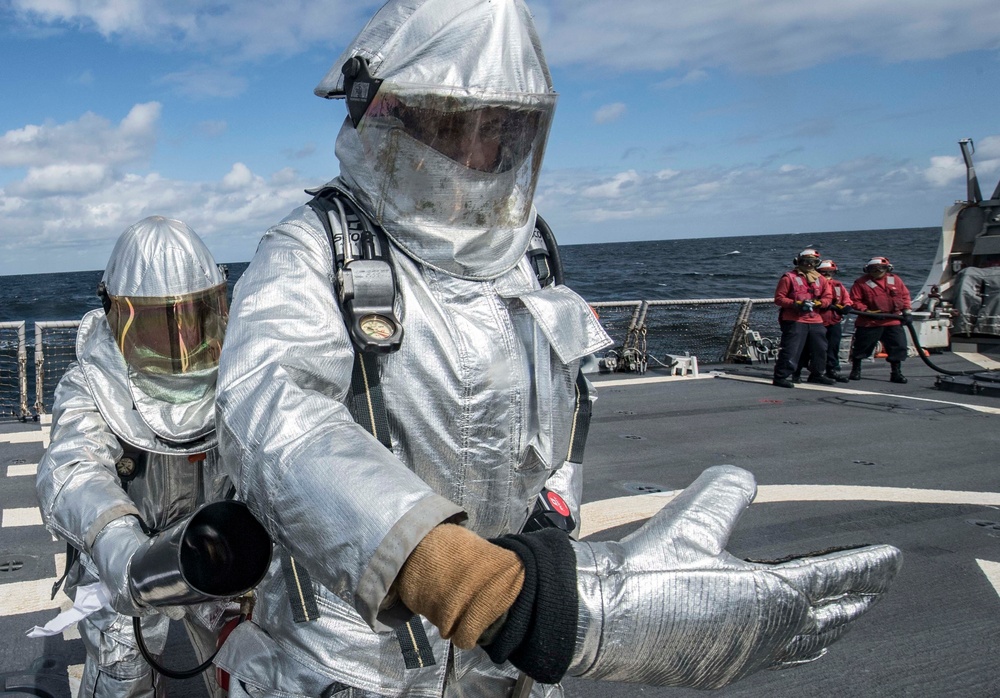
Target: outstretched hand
686,612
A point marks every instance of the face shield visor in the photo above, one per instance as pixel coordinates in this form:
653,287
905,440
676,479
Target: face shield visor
173,335
462,157
483,133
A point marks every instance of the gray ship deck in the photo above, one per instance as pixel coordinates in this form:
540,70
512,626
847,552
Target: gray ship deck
868,461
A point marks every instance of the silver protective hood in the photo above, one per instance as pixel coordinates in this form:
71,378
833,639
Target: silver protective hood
468,55
160,257
156,257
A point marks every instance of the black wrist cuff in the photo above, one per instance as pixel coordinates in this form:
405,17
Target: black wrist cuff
540,633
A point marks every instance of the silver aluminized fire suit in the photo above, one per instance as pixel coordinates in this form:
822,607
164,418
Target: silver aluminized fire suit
103,406
479,401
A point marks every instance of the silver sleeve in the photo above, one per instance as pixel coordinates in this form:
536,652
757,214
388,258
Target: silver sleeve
78,489
326,490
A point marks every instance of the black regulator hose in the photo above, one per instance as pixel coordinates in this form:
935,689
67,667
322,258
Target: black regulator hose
908,322
160,669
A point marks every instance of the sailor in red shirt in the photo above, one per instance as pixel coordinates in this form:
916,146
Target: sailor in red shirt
833,316
801,293
879,291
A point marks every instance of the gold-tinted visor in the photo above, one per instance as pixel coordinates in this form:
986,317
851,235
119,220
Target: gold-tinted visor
470,129
170,335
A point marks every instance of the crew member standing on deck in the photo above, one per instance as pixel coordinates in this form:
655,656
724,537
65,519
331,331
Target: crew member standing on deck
801,294
879,291
395,413
134,448
833,317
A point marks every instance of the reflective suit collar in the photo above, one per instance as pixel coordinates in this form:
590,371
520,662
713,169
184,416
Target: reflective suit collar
149,424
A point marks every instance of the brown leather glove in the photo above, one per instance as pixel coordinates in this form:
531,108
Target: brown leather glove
460,582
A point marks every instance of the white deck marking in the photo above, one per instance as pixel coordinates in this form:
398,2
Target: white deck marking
29,516
608,513
25,437
849,391
33,596
652,379
969,353
22,469
992,572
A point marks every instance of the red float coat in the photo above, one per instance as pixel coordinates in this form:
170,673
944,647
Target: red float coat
841,296
887,295
793,287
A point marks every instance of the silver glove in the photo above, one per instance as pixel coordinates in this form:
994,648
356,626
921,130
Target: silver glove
112,552
667,605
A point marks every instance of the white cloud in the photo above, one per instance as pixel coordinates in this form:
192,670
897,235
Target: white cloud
60,179
610,112
90,139
239,177
81,186
690,78
759,36
944,170
251,28
76,229
613,188
206,82
856,194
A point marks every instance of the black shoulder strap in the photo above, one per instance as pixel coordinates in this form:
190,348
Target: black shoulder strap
366,284
543,253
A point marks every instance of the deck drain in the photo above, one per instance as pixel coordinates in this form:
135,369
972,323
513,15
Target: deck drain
18,461
624,412
864,462
795,423
11,565
642,488
631,437
992,525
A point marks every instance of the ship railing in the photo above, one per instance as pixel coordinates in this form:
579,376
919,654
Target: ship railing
13,371
55,350
716,330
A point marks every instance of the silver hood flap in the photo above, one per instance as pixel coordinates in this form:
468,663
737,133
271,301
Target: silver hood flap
565,318
138,419
467,223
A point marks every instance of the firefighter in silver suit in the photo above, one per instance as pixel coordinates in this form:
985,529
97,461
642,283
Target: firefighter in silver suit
133,444
401,571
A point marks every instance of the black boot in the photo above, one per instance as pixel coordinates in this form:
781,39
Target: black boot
855,370
896,373
837,376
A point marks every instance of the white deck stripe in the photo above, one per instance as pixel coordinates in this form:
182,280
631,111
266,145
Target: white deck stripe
977,358
22,469
29,516
25,437
33,596
849,391
608,513
992,572
652,379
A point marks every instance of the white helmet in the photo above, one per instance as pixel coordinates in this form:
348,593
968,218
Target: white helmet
876,262
808,257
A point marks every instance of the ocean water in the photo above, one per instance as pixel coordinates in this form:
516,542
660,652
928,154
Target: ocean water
652,270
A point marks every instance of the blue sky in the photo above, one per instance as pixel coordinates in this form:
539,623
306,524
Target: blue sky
675,119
